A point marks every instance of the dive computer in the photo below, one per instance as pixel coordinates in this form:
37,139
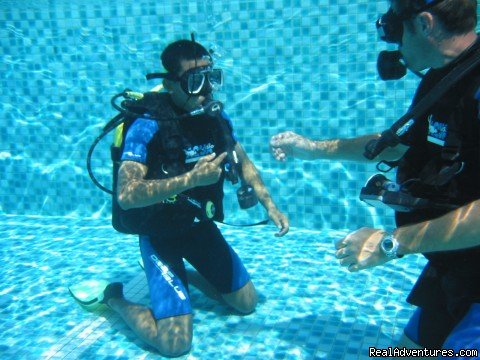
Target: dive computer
389,246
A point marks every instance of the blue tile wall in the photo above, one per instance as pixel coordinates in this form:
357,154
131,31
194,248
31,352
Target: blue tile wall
302,65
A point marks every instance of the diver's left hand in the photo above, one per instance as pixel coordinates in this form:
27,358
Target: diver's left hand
280,220
361,249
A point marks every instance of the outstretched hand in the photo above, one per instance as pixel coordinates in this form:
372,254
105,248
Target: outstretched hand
361,249
280,220
208,169
291,144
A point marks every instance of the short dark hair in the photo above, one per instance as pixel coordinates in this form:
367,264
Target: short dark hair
179,51
457,16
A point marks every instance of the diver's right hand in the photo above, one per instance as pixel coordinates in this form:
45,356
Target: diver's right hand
207,170
291,144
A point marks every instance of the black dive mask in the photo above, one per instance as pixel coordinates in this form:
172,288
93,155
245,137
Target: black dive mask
200,80
390,25
390,29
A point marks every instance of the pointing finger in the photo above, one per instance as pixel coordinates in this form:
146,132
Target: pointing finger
219,159
207,158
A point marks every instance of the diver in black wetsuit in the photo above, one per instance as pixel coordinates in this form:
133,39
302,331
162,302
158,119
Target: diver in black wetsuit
174,156
438,177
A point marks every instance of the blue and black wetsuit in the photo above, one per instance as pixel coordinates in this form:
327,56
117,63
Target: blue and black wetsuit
169,231
448,291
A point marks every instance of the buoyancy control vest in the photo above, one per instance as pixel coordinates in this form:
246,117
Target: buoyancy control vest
424,179
442,163
167,157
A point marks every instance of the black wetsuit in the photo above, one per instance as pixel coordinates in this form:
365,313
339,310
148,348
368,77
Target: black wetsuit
168,231
450,282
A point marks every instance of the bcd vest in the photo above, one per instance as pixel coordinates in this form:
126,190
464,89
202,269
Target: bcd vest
166,157
448,174
445,168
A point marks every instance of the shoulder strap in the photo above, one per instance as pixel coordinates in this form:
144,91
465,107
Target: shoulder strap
391,136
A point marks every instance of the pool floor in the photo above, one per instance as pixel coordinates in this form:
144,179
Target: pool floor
309,308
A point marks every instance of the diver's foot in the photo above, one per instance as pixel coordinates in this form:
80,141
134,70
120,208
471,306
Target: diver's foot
112,291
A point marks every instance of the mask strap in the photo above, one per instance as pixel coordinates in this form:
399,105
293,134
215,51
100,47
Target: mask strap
192,35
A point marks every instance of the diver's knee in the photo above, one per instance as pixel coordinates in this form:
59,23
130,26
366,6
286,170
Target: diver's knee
247,306
174,335
243,300
173,346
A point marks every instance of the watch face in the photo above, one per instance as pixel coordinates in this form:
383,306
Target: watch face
388,244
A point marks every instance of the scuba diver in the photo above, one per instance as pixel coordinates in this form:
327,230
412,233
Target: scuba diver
178,147
436,150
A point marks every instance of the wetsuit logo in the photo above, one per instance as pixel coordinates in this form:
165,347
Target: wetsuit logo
168,276
437,131
194,153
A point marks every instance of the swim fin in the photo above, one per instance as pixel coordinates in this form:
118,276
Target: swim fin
88,293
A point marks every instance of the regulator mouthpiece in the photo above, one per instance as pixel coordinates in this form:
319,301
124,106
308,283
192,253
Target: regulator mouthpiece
390,66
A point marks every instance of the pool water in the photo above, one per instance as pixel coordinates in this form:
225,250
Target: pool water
303,65
309,308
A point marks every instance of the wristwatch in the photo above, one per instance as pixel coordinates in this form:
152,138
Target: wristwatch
389,246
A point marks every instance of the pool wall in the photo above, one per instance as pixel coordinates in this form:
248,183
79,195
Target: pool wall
306,66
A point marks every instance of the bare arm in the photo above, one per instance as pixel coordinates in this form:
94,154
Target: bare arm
290,144
456,230
135,191
252,177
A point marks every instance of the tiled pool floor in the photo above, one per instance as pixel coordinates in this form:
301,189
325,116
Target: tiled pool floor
310,308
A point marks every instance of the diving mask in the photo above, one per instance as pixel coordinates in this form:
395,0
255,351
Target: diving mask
194,81
201,80
390,25
390,29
